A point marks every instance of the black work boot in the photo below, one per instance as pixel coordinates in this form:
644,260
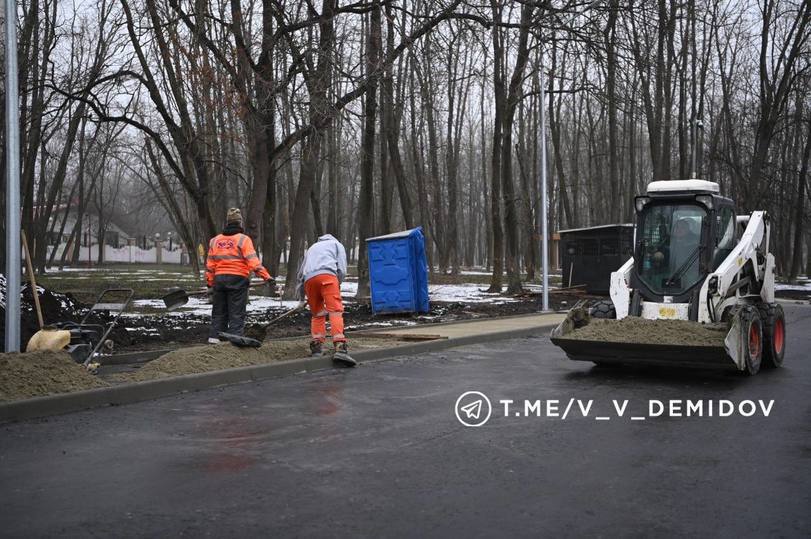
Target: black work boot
342,355
316,348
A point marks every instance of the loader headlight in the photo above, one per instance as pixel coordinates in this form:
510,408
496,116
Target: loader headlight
640,202
712,286
705,200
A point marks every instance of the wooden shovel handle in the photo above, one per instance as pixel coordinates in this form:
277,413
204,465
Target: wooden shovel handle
32,279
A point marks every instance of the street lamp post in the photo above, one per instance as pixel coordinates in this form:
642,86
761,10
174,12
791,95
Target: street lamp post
13,262
544,224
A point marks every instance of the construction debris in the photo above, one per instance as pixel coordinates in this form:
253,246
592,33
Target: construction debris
639,330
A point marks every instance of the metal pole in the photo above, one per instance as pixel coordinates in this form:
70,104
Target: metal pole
694,141
544,218
13,263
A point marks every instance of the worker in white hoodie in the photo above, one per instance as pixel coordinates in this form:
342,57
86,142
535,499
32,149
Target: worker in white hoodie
320,275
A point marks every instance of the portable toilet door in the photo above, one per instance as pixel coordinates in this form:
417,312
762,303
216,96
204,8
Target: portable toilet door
398,273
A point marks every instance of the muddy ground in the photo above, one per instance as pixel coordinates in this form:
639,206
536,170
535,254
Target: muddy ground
794,294
155,331
153,328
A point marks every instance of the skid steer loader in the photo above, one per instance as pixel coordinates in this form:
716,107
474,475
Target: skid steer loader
695,260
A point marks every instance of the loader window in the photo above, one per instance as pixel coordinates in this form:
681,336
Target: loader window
724,236
671,247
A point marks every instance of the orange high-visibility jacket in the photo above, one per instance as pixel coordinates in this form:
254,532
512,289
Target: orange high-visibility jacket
232,255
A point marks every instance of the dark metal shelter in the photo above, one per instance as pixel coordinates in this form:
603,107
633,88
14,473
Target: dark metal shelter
589,255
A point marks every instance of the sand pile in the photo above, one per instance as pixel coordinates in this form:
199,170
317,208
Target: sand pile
216,357
36,374
639,330
226,356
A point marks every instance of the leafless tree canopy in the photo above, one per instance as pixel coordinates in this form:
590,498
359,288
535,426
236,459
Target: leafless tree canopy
362,117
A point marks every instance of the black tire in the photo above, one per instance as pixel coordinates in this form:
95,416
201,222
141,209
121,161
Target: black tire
603,309
774,333
752,335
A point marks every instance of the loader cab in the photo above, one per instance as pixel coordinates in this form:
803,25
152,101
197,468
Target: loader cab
684,230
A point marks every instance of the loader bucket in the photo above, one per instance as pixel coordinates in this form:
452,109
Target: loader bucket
659,343
645,354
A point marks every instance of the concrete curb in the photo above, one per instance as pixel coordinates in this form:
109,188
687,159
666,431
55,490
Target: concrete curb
142,356
164,387
450,323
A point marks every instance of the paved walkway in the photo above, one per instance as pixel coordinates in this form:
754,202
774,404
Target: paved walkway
468,328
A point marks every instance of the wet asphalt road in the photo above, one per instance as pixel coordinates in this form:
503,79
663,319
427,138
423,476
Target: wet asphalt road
377,451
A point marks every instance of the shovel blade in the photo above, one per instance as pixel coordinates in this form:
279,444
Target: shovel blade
175,299
239,340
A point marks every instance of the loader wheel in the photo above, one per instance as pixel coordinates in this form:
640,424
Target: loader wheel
603,309
774,333
752,329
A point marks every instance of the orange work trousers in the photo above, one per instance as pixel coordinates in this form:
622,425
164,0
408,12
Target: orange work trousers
324,298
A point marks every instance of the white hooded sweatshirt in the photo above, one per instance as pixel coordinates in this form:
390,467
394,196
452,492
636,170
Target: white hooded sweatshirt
326,256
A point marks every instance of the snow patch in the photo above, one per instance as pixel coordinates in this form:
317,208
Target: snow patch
201,307
466,292
802,285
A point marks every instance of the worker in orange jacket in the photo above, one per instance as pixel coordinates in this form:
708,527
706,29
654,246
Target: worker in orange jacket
231,259
322,270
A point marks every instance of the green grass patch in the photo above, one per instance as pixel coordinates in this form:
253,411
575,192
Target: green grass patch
147,282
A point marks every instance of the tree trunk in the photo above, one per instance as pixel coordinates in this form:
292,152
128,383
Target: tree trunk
318,84
799,210
366,208
509,196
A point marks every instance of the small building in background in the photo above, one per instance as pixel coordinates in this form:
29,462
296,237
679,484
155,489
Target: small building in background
589,255
117,245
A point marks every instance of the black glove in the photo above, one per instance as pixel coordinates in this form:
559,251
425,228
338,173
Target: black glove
300,292
210,294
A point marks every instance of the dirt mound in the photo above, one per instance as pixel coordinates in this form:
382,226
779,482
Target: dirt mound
226,356
639,330
216,357
34,374
56,307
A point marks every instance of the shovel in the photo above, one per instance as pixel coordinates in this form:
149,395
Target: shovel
179,297
241,341
45,338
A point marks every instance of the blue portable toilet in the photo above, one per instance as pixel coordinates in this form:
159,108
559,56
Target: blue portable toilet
398,272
